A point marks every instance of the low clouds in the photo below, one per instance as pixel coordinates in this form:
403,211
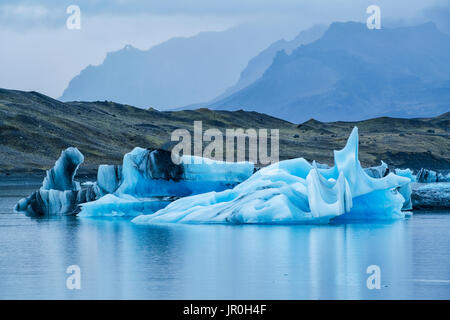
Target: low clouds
16,12
45,59
39,53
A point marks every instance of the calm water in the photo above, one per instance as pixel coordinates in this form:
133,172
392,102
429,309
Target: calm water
120,260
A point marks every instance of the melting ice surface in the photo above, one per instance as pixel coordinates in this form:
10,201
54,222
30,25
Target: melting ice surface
294,191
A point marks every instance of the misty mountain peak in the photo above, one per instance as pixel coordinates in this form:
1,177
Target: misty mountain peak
353,73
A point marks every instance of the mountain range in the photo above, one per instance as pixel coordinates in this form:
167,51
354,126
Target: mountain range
341,72
353,73
260,63
175,73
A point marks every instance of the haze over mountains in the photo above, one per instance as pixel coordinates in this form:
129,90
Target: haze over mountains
260,63
354,73
345,72
174,73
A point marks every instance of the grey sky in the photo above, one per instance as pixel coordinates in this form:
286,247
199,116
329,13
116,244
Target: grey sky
37,52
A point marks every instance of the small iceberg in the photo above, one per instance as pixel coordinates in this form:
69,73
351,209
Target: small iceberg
60,193
430,176
295,191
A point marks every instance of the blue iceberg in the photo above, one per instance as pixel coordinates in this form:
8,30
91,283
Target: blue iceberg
295,191
149,180
430,176
59,193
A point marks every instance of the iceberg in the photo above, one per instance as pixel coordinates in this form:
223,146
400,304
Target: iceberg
295,191
431,176
59,193
426,176
149,180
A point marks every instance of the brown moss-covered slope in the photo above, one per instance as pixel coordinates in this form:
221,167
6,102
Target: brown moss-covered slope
35,128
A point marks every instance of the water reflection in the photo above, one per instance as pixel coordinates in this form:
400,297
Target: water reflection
121,260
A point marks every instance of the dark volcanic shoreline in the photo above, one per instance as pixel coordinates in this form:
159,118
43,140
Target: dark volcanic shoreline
34,129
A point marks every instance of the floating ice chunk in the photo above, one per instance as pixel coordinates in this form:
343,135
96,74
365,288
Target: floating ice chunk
294,191
430,176
59,192
426,176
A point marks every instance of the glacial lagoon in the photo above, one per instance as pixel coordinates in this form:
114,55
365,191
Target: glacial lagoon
122,260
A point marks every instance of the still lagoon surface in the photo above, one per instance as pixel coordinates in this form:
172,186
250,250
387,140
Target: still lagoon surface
120,260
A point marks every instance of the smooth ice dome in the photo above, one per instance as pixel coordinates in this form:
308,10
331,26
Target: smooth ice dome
294,191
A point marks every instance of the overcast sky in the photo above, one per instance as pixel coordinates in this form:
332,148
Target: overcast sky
38,52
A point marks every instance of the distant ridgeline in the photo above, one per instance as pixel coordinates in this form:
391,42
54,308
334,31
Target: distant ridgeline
344,73
175,73
353,73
